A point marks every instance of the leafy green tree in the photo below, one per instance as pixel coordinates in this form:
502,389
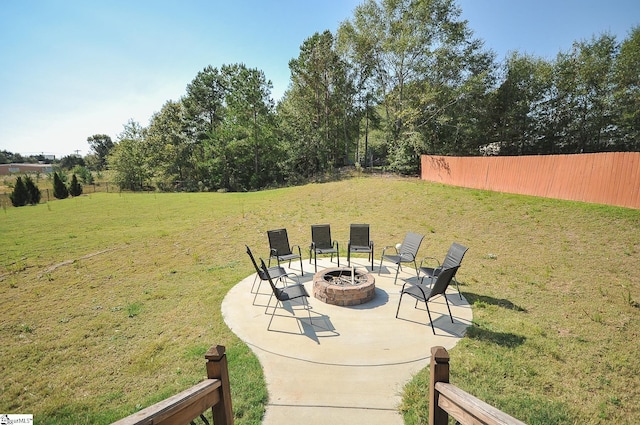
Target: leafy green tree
170,150
246,142
205,109
20,195
34,194
579,118
515,106
430,75
70,161
129,159
357,42
5,157
221,135
101,145
627,92
204,101
60,190
75,188
85,174
321,122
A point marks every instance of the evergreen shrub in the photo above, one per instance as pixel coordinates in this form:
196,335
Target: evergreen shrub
20,195
75,189
33,192
60,190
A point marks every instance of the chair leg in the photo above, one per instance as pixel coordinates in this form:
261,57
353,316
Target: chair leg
266,309
397,271
308,307
315,257
399,301
255,296
457,286
430,320
254,284
272,315
448,308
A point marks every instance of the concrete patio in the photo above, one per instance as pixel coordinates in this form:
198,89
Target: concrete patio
348,364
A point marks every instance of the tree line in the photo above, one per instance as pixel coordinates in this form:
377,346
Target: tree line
399,79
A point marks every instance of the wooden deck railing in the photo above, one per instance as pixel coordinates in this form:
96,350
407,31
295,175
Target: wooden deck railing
446,399
213,393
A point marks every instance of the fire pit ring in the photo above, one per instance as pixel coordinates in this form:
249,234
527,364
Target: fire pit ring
344,286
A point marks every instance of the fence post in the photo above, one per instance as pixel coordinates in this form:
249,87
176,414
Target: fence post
439,373
217,368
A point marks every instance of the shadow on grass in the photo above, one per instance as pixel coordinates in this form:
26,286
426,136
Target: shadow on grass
483,299
499,338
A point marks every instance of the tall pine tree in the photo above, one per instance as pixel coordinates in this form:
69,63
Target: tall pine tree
33,193
60,190
20,195
75,189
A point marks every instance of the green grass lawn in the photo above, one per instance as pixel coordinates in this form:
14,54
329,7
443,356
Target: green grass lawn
110,300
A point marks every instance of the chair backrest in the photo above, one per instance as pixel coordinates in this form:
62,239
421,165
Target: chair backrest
359,235
411,245
454,255
253,260
442,281
321,236
277,292
279,242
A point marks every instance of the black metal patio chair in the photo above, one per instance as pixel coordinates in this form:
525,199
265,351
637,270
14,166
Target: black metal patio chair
285,294
452,259
321,243
275,272
406,253
359,242
280,249
425,292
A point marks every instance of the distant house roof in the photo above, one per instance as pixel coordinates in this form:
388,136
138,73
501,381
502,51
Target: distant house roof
7,169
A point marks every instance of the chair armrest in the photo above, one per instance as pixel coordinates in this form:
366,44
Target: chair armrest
429,258
336,245
387,247
416,285
273,252
293,277
297,246
408,255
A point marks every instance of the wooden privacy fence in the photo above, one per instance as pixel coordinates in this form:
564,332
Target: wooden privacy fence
446,399
611,178
213,393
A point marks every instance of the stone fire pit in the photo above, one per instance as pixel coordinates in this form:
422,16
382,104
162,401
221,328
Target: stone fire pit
344,287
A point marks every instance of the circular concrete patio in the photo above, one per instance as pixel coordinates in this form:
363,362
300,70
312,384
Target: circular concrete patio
345,364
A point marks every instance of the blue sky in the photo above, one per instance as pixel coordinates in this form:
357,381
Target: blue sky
71,69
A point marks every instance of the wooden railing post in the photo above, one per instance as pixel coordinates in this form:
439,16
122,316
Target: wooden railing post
217,369
439,373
